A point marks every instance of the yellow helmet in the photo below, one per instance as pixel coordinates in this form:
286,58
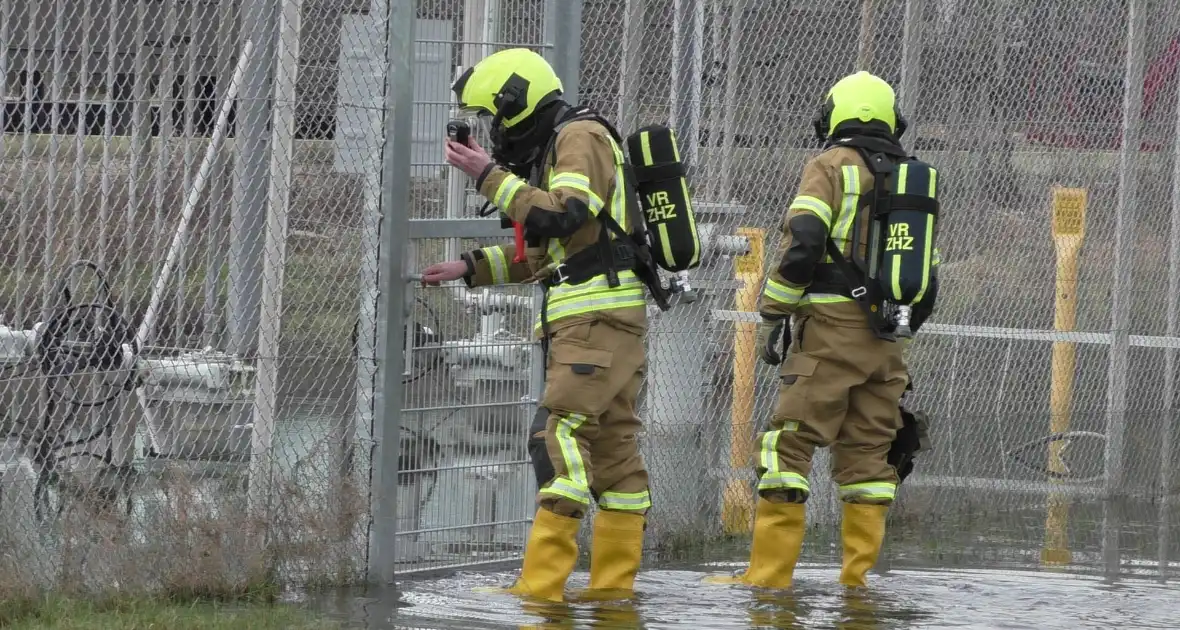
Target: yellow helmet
859,97
509,86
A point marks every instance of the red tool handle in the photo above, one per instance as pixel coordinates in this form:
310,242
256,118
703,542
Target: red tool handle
519,257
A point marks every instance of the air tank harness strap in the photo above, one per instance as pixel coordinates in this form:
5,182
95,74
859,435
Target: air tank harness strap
588,263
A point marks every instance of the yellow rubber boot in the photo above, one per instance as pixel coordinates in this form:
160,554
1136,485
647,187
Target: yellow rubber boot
615,551
778,539
549,557
863,532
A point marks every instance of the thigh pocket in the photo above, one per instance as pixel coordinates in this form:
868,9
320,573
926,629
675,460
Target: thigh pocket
794,399
578,379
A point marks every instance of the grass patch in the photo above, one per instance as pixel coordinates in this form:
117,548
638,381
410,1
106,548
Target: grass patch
125,614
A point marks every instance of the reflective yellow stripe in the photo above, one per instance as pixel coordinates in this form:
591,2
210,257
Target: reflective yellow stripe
773,478
824,298
895,278
593,295
936,259
507,191
498,263
781,293
848,208
556,250
625,500
869,490
618,202
573,485
564,488
815,205
580,183
577,181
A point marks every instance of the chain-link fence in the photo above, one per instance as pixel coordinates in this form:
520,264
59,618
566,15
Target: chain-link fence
1009,100
189,261
241,173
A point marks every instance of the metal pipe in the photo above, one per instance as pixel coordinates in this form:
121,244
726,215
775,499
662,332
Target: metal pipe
1121,287
395,185
282,145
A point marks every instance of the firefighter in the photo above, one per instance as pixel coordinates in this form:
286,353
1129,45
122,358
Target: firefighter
558,180
841,381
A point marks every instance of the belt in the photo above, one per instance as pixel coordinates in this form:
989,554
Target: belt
828,279
586,264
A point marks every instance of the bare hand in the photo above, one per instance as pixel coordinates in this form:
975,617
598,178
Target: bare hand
469,158
443,272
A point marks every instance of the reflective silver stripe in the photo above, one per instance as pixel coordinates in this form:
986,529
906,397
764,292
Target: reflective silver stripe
869,490
498,264
625,500
781,293
593,295
816,205
507,191
574,484
580,183
848,207
774,478
825,298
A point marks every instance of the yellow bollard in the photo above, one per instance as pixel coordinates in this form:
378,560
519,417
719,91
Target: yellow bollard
1069,228
737,503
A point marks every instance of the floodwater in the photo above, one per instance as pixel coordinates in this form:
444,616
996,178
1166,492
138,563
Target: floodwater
975,599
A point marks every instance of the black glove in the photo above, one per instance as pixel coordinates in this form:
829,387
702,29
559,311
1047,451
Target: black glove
770,339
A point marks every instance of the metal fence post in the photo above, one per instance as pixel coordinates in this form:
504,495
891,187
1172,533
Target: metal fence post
911,63
1121,287
248,214
274,260
688,34
1168,434
395,188
563,44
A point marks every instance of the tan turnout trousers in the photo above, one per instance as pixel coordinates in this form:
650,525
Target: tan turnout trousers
840,387
591,431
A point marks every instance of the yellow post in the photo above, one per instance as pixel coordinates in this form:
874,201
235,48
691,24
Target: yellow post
1069,227
737,504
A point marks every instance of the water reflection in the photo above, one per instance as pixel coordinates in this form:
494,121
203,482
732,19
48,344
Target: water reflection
677,598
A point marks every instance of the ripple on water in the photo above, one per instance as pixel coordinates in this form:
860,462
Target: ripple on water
676,598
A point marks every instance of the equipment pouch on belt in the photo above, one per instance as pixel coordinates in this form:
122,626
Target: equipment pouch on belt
913,437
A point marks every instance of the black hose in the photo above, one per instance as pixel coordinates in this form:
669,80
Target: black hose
420,338
98,333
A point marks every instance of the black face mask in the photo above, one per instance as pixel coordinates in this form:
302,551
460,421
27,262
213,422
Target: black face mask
519,148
